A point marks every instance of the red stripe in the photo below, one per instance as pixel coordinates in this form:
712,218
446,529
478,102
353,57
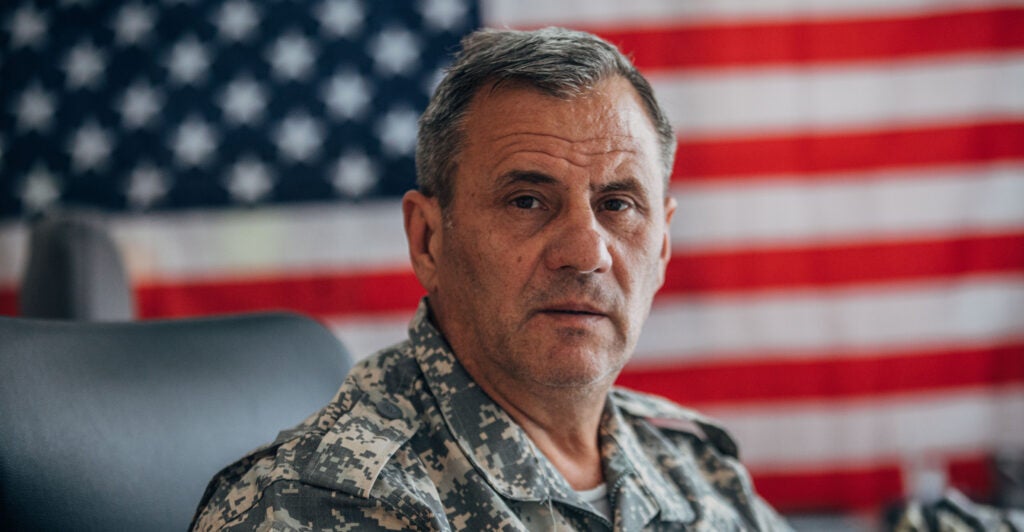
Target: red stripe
828,376
746,269
862,150
327,294
817,41
8,301
872,488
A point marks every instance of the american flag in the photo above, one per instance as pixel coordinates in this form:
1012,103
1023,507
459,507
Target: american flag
847,287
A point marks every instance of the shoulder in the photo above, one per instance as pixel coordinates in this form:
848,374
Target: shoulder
344,449
670,417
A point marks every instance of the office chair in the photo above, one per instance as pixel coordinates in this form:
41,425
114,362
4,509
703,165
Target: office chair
74,271
119,426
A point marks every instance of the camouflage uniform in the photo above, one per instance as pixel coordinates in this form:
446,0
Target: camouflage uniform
412,443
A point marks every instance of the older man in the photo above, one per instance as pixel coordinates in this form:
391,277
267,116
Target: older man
541,233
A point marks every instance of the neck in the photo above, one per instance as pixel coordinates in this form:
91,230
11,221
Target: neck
562,422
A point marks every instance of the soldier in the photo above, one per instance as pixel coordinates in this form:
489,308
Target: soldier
540,232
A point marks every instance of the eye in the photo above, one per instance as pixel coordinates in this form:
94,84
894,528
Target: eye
615,204
525,202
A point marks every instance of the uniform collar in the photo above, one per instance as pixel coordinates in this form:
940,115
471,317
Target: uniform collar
629,466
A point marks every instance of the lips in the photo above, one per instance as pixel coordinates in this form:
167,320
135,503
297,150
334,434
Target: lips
574,309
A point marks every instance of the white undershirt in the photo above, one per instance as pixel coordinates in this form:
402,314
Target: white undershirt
598,498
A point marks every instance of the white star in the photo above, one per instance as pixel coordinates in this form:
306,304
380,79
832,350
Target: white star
298,137
189,61
236,20
139,104
394,51
249,181
341,18
84,66
133,24
397,132
39,190
243,101
347,95
194,142
146,186
354,174
291,56
444,15
89,148
35,109
27,27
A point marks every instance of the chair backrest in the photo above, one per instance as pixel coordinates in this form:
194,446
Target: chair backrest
74,271
119,426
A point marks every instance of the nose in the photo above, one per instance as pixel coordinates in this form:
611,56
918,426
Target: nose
578,242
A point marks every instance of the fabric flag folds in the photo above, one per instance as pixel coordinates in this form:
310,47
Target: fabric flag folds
846,292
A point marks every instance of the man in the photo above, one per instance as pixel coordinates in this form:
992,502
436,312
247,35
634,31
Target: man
541,233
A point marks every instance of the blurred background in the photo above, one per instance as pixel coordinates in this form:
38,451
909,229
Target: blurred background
847,287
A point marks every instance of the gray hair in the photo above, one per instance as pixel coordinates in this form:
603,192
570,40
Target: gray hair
559,62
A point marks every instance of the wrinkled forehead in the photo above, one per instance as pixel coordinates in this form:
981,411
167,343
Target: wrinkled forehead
606,120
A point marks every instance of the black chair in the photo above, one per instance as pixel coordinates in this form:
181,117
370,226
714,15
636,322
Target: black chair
119,426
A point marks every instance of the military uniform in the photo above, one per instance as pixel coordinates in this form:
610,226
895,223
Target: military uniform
410,442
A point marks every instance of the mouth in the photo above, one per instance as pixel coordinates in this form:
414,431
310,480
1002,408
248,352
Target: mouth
574,309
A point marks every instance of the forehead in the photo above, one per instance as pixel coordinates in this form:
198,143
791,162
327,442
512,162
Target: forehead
606,125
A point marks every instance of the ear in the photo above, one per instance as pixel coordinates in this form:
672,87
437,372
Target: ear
422,217
666,242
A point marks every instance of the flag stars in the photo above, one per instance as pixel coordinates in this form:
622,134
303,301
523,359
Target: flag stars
395,51
243,101
35,109
39,190
291,56
27,28
347,95
90,148
341,18
249,181
298,137
139,105
189,61
354,174
133,24
194,142
397,132
84,66
444,15
146,186
236,20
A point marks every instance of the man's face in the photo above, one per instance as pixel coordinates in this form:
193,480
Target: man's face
556,238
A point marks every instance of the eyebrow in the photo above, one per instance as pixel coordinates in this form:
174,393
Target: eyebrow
628,184
524,176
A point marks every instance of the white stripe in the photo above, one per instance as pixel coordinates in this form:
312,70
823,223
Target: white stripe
863,206
219,243
808,435
793,323
616,13
755,101
269,240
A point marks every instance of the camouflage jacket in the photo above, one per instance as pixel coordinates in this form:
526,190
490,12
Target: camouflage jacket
410,442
